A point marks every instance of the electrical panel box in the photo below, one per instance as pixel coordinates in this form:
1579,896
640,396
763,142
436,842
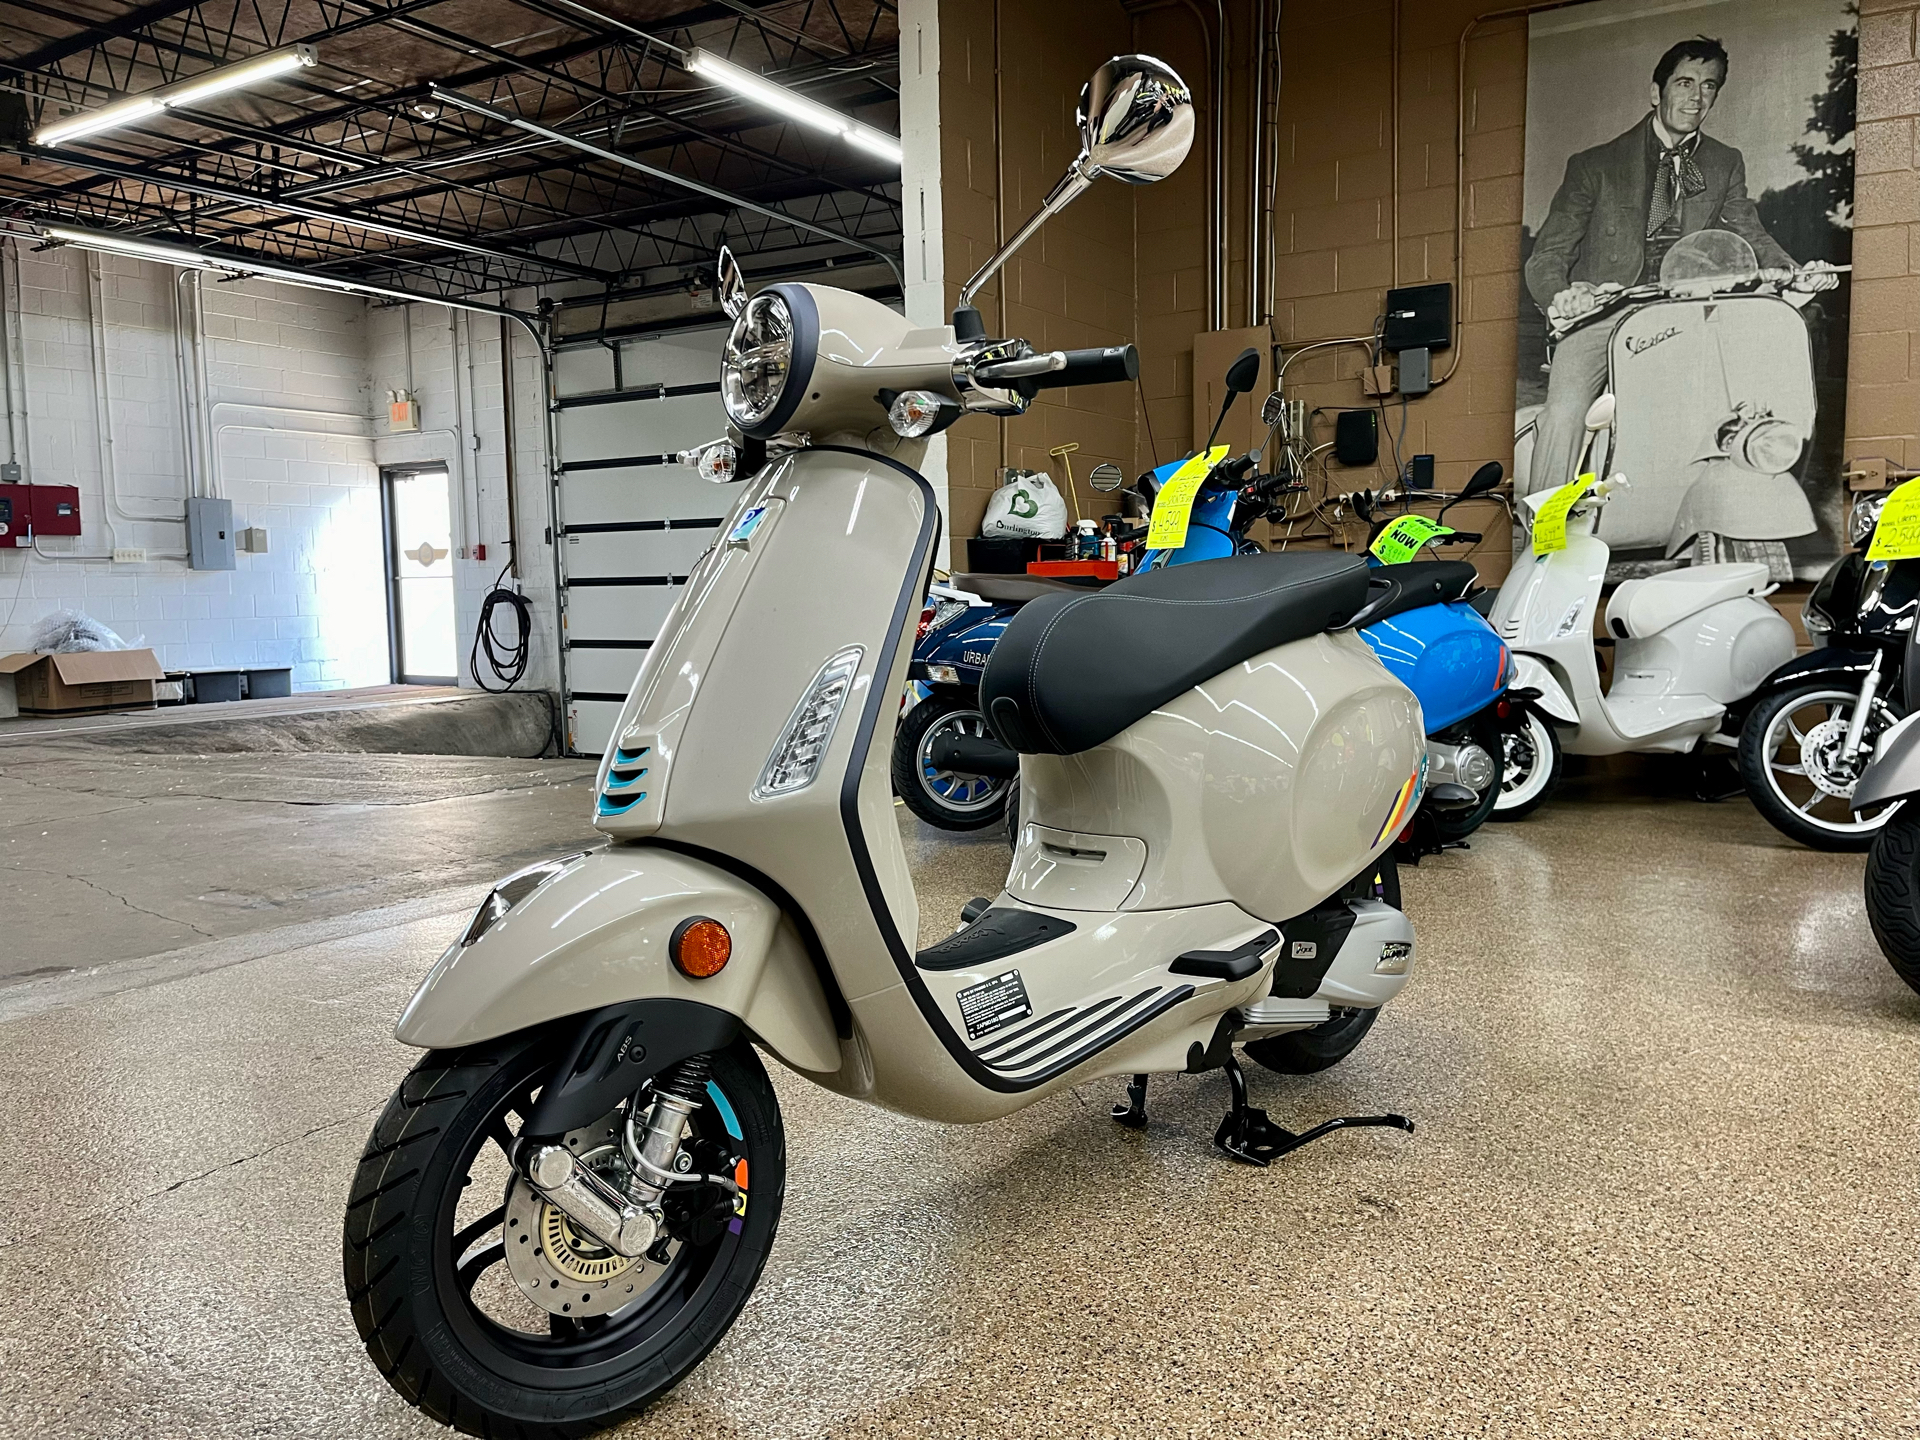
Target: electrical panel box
56,509
210,533
1419,317
30,510
16,517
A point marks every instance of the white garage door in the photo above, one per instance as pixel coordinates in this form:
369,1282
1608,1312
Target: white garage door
632,522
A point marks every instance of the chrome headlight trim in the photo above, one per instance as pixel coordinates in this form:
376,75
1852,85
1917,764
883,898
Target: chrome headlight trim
1864,516
511,891
767,362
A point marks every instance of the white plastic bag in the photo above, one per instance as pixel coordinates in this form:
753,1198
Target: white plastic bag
1027,507
65,631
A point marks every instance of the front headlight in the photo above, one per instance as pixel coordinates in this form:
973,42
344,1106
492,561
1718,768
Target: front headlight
1767,446
757,363
1865,515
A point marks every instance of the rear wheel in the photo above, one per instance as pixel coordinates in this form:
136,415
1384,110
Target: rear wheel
949,799
1532,774
485,1307
1893,894
1305,1052
1792,763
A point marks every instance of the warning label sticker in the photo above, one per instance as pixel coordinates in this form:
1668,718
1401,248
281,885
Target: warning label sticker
993,1004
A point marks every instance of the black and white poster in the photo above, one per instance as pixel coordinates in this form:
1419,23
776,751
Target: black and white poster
1687,228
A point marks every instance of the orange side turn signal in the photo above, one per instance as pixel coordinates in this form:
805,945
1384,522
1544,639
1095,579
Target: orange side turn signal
700,947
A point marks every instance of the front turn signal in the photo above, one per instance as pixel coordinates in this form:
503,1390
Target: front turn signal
700,947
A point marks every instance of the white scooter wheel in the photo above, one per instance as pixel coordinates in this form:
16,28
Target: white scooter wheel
1532,774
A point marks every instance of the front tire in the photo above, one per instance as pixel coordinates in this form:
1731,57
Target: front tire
1893,895
1307,1052
947,799
1791,766
1532,771
447,1317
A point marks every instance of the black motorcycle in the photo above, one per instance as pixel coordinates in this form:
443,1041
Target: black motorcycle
1813,726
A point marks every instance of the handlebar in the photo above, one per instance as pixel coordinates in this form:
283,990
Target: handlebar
1228,474
1053,369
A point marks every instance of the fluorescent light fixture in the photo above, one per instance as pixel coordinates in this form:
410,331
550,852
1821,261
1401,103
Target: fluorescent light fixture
792,104
186,92
188,258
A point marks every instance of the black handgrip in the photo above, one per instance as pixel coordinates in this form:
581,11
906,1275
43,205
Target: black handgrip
1093,367
1462,537
1228,474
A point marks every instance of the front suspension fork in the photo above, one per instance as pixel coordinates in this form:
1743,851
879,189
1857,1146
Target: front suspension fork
1857,725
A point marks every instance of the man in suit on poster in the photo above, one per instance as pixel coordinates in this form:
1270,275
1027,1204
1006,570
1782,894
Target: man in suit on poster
1621,207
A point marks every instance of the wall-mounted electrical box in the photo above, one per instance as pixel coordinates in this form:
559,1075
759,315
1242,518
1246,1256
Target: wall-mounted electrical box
253,540
210,533
30,510
403,412
1419,317
56,509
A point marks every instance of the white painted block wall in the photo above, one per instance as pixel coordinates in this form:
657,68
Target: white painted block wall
298,381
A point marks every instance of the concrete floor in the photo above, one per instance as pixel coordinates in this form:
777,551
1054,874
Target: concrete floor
1664,1181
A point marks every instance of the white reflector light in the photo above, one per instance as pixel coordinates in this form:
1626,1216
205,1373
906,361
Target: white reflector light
796,755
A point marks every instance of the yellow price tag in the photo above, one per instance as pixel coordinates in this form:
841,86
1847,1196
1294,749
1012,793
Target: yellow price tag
1173,506
1550,525
1405,537
1897,536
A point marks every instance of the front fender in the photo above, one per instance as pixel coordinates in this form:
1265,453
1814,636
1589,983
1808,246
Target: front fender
596,934
1829,662
1531,673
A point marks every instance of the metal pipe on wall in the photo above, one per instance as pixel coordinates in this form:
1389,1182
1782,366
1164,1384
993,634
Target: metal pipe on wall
506,411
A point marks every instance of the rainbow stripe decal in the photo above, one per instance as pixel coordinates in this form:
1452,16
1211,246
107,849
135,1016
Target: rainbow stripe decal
1404,802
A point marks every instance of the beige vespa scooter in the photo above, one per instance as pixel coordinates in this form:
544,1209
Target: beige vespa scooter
569,1199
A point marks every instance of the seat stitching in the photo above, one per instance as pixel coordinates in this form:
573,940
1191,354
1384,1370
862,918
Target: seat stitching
1033,697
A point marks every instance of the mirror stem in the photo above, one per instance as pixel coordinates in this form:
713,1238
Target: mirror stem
1079,176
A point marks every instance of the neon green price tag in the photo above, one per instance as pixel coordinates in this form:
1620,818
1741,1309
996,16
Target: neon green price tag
1550,525
1405,538
1897,536
1173,507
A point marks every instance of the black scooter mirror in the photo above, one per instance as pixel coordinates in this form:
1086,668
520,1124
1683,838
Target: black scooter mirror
1487,477
1484,479
1242,376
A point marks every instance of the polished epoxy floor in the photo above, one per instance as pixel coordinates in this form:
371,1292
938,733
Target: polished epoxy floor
1663,1184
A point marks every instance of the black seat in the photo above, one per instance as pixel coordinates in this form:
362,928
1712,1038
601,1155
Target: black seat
1071,671
1417,583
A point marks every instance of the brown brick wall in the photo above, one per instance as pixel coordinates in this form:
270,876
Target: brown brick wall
1335,218
1073,283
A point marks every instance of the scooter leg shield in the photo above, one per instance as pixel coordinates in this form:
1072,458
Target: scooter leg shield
1895,771
1530,673
598,933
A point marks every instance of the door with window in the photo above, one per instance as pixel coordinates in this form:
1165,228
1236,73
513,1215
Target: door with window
419,508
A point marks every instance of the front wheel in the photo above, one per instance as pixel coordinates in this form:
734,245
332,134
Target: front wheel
1793,765
1893,894
1532,774
949,799
485,1307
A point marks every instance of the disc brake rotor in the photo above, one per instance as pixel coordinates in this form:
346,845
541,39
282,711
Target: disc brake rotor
1820,757
557,1265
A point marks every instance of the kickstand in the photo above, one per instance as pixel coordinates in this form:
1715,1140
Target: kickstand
1249,1137
1133,1114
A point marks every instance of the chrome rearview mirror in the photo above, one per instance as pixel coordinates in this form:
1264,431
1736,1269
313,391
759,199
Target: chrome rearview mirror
1600,413
1106,477
1272,409
733,285
1136,124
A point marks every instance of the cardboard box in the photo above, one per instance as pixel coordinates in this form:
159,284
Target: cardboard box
90,680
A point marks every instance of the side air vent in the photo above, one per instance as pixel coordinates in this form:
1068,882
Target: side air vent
626,781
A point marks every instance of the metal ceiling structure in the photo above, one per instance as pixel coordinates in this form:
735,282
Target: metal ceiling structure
458,148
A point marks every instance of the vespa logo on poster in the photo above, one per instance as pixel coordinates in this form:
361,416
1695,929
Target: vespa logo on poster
1687,237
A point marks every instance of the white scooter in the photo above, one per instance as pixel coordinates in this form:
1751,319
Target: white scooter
570,1198
1688,644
